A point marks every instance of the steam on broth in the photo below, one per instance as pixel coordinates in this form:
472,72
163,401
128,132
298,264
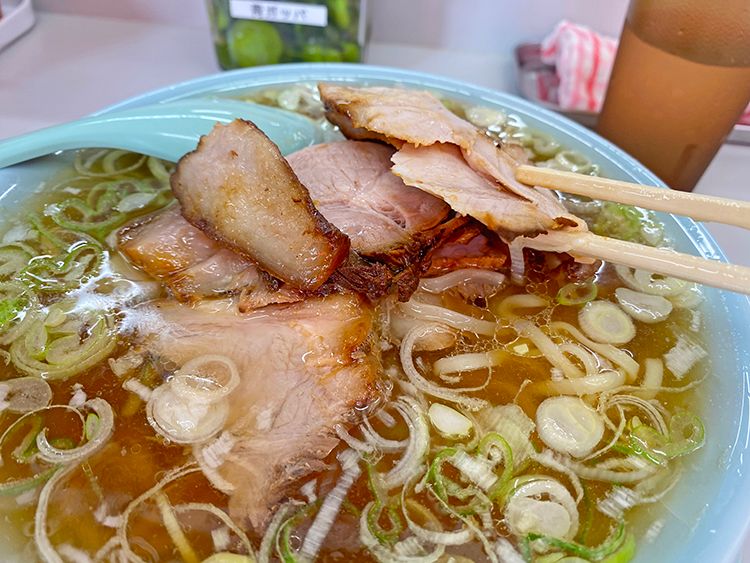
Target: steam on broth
532,421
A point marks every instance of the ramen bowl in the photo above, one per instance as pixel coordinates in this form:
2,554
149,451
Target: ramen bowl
705,516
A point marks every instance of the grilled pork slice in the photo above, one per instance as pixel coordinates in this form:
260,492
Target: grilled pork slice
238,189
394,114
351,184
418,118
304,368
192,265
442,171
472,246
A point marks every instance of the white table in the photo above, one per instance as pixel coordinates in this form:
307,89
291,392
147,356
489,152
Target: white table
69,66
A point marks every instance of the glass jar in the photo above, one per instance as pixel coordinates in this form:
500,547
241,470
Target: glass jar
253,32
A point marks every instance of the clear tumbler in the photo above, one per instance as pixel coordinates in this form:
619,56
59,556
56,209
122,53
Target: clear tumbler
680,82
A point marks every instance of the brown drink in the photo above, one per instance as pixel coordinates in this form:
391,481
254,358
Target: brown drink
680,82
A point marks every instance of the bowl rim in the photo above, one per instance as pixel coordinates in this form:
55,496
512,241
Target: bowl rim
718,543
227,81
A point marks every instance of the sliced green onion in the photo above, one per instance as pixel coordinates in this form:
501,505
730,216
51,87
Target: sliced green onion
231,526
18,486
104,428
331,505
688,299
284,548
91,426
27,447
379,508
107,162
648,443
513,426
628,223
63,343
543,145
57,274
107,206
525,512
619,542
642,306
134,202
17,309
9,310
581,205
476,470
686,434
384,553
264,551
13,258
568,425
417,446
489,446
647,282
486,118
158,169
575,161
448,421
432,532
577,293
52,242
681,358
444,487
604,322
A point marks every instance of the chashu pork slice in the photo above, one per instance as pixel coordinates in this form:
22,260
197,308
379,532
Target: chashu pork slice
441,170
238,189
473,246
165,246
395,115
411,117
304,368
351,184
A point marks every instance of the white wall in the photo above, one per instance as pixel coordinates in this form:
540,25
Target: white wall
480,25
467,25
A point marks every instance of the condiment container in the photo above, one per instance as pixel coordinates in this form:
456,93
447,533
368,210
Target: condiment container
254,32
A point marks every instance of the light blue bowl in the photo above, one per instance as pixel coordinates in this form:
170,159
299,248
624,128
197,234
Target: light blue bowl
711,505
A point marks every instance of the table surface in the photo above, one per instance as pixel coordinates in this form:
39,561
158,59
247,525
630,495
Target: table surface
69,66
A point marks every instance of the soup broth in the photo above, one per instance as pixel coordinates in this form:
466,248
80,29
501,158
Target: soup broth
513,419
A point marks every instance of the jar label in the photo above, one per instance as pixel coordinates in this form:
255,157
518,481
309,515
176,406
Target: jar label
279,12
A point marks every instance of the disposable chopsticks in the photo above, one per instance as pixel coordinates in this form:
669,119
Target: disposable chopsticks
699,207
662,261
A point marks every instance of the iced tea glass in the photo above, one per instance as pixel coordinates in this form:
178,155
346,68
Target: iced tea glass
680,81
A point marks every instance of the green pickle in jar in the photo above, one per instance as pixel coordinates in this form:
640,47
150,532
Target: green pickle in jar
252,33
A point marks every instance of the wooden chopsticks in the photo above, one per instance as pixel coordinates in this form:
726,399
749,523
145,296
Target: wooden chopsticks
662,261
699,207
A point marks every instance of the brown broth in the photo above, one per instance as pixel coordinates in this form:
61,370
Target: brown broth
136,458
